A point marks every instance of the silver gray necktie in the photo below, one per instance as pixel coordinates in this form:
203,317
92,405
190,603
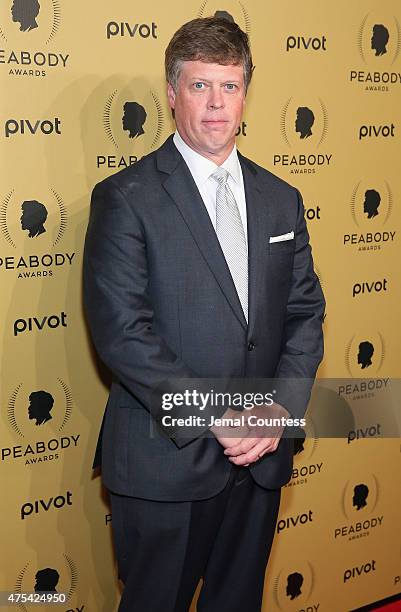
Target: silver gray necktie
231,235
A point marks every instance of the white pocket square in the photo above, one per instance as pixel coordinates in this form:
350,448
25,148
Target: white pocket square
288,236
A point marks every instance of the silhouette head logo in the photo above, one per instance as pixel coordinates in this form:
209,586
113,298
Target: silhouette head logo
224,15
379,39
365,353
34,215
40,405
133,119
25,12
371,203
294,583
361,493
299,443
46,580
304,121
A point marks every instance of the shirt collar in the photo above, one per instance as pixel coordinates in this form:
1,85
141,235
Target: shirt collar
201,167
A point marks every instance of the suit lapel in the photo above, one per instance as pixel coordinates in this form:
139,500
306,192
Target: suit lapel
183,190
258,199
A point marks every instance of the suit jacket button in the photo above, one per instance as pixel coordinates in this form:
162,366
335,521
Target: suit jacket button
251,346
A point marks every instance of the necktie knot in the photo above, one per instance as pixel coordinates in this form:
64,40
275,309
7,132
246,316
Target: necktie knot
220,175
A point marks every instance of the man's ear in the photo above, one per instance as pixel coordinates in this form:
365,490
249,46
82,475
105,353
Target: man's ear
171,95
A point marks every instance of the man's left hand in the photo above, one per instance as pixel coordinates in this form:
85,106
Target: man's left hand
261,438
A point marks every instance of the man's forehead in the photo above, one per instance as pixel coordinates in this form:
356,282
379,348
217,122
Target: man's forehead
200,69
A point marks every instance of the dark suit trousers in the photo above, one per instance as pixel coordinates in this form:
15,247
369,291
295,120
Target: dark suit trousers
164,548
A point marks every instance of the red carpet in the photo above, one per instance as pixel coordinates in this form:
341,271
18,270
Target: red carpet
391,607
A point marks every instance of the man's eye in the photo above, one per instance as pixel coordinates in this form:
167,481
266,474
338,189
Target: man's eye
198,85
231,86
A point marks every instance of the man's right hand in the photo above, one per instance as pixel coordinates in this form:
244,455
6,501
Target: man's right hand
230,435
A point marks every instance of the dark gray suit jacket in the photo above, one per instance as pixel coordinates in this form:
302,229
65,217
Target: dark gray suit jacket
161,305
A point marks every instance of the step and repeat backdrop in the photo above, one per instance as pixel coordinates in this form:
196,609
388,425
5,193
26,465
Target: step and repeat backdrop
83,95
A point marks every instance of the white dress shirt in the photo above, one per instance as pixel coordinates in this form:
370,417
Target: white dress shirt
201,168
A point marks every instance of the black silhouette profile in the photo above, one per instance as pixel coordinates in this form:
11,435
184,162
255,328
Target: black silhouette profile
304,121
133,119
294,583
299,442
25,13
371,203
46,580
366,350
34,215
224,15
40,404
379,39
361,492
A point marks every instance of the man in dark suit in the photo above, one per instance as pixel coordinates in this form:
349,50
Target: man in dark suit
197,266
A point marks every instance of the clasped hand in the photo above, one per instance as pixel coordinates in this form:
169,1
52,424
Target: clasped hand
247,443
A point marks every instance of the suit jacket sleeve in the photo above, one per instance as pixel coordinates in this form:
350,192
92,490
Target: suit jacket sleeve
119,312
302,348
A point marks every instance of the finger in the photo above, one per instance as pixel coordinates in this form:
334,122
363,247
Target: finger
243,447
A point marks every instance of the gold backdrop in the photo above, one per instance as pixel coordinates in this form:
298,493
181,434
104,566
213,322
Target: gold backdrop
322,112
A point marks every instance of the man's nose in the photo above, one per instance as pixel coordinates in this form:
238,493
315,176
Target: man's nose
216,99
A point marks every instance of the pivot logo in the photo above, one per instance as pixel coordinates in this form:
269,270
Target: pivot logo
241,131
371,208
54,573
34,323
378,41
293,521
133,123
40,505
24,126
33,408
371,131
303,128
371,431
359,499
369,287
33,24
237,13
312,213
306,43
295,583
138,30
45,220
359,570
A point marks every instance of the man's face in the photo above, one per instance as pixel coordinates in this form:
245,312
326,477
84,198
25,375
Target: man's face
208,107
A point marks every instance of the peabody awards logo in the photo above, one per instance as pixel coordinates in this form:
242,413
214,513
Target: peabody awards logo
133,122
364,354
27,28
32,226
51,574
236,13
38,416
304,467
293,588
304,126
359,501
371,206
378,43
